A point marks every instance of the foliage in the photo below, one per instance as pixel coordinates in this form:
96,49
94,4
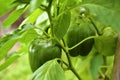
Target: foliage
53,18
16,70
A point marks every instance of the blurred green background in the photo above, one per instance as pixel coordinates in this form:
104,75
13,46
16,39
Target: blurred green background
19,70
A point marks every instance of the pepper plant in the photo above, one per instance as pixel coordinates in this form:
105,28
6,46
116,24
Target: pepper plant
64,39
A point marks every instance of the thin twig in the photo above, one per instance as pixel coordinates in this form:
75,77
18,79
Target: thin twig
91,37
95,25
48,10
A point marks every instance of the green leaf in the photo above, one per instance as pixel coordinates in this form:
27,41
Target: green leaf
42,19
62,24
73,3
107,12
81,65
6,44
6,6
13,17
34,4
25,35
51,70
28,36
96,62
32,18
109,4
29,33
9,60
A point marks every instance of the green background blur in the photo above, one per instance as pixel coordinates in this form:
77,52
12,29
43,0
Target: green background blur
19,70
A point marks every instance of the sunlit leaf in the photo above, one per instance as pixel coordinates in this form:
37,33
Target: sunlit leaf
35,4
42,18
51,70
29,33
32,18
13,17
6,44
25,35
6,6
9,60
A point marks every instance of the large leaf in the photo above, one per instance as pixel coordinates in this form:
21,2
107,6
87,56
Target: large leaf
110,4
96,62
51,70
9,60
62,24
107,11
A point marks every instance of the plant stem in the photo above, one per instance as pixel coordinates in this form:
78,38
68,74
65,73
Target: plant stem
63,47
73,70
105,61
42,31
95,25
65,50
48,10
64,42
65,63
71,67
69,60
82,42
76,74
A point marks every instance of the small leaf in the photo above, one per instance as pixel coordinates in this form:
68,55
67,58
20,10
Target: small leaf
12,17
96,62
9,60
26,27
28,36
32,18
51,70
34,4
6,44
29,33
6,6
62,24
8,41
